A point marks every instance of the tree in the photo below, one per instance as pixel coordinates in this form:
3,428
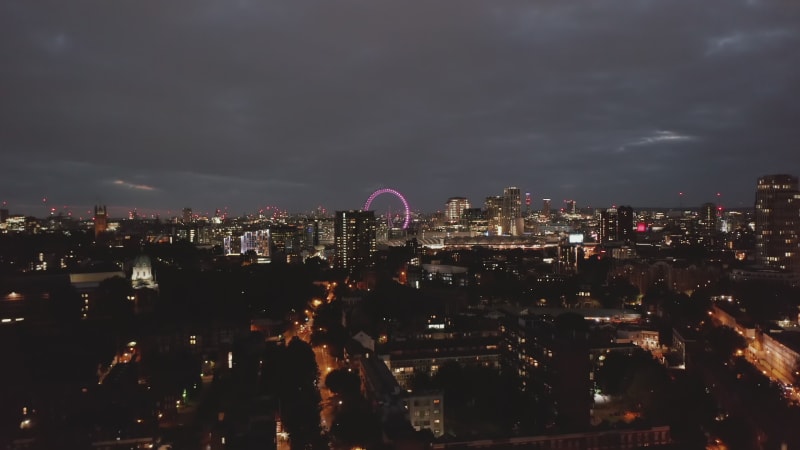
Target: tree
112,302
724,342
344,383
298,393
356,427
638,379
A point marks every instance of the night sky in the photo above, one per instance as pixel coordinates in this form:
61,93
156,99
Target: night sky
242,104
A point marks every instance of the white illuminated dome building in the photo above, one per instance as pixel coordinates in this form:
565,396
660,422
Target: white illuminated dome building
142,276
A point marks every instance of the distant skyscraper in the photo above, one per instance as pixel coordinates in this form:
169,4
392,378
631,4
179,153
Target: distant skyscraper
625,224
494,212
100,220
616,225
3,215
572,207
708,220
355,239
546,205
454,208
609,225
512,211
187,215
778,222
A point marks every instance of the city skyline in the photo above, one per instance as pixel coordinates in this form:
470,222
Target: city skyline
387,204
85,212
304,104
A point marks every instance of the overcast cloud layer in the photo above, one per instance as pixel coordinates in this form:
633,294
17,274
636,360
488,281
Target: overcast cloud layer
300,103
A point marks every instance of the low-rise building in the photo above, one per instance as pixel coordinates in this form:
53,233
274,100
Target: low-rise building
422,411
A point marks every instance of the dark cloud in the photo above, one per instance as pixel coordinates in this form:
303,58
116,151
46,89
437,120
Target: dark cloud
208,103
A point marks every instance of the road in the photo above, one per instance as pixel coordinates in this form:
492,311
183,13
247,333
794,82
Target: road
325,362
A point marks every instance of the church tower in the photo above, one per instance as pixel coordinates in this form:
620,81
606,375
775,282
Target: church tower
100,220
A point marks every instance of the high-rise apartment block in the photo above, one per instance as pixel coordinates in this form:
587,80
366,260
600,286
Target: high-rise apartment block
572,206
355,239
616,225
609,220
546,205
454,209
257,242
512,222
777,213
550,357
708,221
494,211
625,224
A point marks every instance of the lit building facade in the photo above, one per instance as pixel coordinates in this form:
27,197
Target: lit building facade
777,211
777,222
421,410
551,358
512,222
100,220
494,212
616,225
142,276
355,239
426,412
625,224
256,241
572,207
454,208
609,224
546,205
708,220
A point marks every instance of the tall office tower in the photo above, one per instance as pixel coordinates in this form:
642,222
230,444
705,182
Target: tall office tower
527,203
454,208
100,220
512,211
609,225
572,207
355,239
708,220
625,224
494,213
187,215
3,215
778,222
546,208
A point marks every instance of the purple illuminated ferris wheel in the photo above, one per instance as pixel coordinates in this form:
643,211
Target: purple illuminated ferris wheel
407,212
